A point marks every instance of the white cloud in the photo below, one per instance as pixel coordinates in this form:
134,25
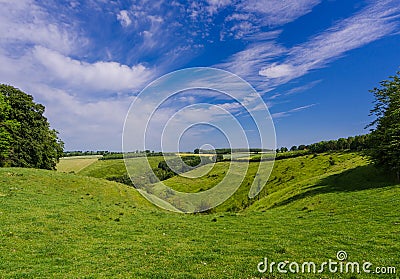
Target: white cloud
247,63
289,112
242,29
277,71
278,12
86,125
35,56
124,18
251,16
94,76
215,5
24,22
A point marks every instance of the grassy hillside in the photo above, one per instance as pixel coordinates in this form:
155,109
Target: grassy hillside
56,225
104,169
289,177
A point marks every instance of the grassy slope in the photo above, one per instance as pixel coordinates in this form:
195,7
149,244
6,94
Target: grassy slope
60,225
288,178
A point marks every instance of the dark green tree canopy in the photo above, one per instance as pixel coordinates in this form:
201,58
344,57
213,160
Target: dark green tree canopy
26,139
385,134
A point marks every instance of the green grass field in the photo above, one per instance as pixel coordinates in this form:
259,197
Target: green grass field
57,225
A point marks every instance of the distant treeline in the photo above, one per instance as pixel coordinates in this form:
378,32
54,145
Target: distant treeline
109,155
357,143
120,155
84,153
230,151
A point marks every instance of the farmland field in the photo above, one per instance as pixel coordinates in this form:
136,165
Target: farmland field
116,167
76,163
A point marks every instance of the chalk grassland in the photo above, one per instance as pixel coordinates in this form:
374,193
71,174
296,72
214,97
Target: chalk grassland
57,225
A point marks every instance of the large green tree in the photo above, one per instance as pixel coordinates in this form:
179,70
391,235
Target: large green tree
26,139
385,134
7,128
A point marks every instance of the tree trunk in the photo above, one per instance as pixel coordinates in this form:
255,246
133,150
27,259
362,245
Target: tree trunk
398,175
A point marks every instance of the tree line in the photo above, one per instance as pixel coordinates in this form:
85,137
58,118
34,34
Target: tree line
357,143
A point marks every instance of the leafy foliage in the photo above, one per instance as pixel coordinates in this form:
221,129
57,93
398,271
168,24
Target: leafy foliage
26,137
356,143
124,179
7,128
385,137
172,167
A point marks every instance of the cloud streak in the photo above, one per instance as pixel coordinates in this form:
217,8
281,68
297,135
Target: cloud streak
372,23
291,111
278,12
24,23
268,64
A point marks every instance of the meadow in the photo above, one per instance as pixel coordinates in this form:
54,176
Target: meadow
65,225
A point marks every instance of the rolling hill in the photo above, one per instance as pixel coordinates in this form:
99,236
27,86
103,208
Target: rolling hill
60,225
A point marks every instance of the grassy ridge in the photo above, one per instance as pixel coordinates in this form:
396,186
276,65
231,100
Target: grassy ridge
104,169
56,225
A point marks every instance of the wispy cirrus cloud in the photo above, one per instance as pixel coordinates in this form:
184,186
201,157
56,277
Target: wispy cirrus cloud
215,5
24,23
294,90
281,114
277,12
269,64
246,63
302,88
251,17
377,20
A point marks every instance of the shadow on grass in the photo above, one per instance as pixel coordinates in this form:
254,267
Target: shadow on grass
356,179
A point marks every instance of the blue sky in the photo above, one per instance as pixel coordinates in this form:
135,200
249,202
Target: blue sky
312,61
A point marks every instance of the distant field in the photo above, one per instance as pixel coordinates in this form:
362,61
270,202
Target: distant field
111,168
57,225
76,163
